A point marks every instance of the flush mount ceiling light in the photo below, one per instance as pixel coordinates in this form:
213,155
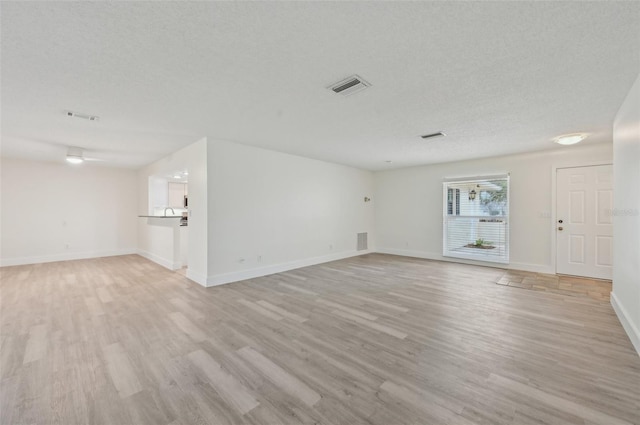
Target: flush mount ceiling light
429,136
349,86
74,156
570,139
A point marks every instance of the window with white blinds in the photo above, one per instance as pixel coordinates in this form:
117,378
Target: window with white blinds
476,218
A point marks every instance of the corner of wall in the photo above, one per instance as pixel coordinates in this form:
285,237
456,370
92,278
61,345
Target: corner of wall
164,262
625,319
200,279
224,278
625,297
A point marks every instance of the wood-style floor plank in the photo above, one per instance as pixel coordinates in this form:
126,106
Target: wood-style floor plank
351,311
370,324
121,371
289,383
187,326
261,310
381,303
36,344
579,410
375,339
229,388
281,311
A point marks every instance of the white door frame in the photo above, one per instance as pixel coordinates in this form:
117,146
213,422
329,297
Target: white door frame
554,197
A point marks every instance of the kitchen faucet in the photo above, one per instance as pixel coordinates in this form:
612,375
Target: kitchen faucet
169,208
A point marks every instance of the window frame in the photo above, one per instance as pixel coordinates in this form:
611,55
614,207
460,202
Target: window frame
447,218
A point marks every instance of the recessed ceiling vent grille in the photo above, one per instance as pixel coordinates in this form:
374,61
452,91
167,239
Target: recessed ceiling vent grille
83,116
429,136
349,86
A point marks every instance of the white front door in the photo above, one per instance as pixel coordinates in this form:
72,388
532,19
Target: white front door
584,228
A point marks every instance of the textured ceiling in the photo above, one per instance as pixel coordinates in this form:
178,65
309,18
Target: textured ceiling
498,78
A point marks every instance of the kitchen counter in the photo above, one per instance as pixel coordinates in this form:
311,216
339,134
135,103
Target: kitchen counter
151,219
160,216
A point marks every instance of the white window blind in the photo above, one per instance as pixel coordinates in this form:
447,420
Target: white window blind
476,218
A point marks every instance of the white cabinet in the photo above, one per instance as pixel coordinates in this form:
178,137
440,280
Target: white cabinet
177,192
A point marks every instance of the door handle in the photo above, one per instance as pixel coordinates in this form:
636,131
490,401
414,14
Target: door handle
560,228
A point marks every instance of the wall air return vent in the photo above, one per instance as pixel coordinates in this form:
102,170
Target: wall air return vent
362,242
349,86
429,136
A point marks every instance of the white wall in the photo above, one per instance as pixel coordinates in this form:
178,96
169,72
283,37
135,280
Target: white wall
57,211
625,297
409,203
278,211
158,239
158,194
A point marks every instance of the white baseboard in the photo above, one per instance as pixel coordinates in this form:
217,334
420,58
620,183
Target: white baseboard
225,278
628,325
409,253
164,262
198,278
536,268
67,256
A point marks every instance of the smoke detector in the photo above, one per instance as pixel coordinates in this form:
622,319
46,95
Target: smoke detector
349,86
83,116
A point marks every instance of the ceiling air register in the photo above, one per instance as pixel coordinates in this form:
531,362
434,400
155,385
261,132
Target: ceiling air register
349,86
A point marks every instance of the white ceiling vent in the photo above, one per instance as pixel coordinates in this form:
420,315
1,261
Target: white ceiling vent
83,116
429,136
349,86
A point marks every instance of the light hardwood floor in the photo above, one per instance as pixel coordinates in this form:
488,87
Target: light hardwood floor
376,339
566,285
